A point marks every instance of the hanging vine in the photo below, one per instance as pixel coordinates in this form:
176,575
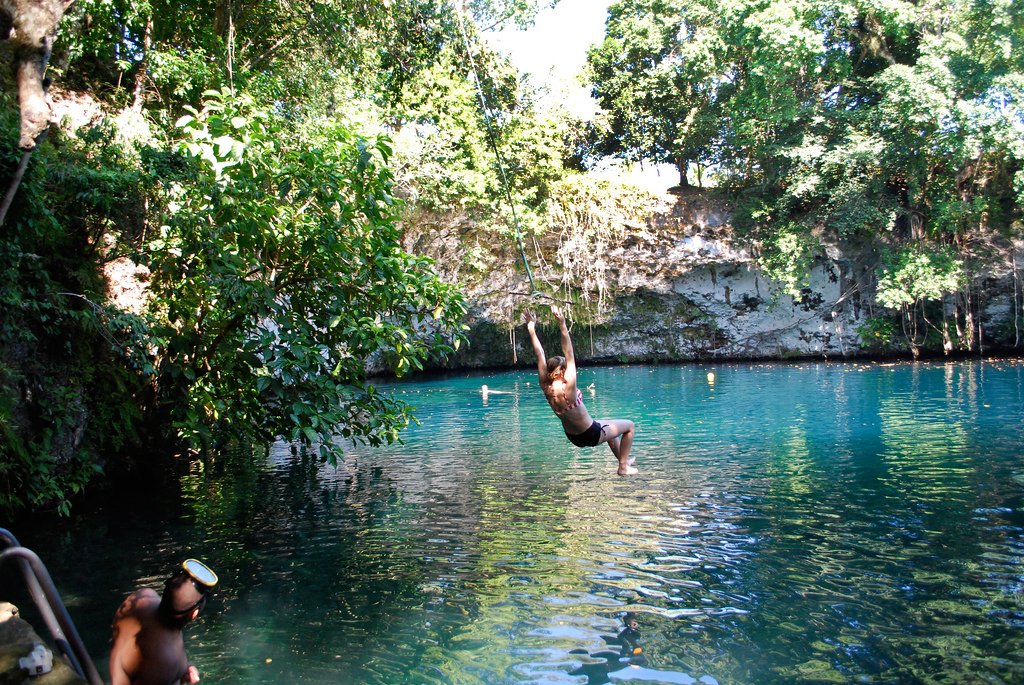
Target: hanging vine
592,217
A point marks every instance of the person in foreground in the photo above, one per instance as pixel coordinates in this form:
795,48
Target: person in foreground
148,647
558,381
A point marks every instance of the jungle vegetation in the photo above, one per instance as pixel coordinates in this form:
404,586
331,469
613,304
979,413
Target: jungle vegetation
888,127
259,166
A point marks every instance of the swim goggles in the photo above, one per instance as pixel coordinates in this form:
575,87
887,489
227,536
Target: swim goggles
201,573
203,579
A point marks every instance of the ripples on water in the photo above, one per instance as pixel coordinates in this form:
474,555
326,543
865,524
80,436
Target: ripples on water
792,523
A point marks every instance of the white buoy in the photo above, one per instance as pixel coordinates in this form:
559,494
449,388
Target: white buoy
711,377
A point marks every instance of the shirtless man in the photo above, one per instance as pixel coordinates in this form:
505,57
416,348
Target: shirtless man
558,381
148,648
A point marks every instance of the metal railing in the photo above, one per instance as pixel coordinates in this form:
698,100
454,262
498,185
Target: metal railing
51,607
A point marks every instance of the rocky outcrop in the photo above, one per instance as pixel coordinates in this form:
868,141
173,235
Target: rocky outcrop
683,288
18,641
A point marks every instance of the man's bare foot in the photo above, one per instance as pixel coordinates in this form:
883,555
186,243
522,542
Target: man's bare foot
630,471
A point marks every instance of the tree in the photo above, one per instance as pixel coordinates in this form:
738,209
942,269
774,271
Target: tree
871,123
912,279
309,56
657,75
277,274
464,136
271,237
31,26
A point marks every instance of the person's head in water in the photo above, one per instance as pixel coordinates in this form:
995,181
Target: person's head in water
556,367
629,638
185,593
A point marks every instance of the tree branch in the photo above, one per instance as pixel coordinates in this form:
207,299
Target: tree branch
15,183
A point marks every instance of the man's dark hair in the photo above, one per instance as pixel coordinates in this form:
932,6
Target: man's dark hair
181,595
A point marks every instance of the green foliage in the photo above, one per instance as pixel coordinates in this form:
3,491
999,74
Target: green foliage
35,472
60,351
863,119
881,124
654,75
493,164
840,187
304,57
277,274
787,256
880,333
443,153
915,275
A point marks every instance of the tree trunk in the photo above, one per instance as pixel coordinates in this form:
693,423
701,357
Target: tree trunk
34,24
682,165
224,25
1016,299
969,321
143,68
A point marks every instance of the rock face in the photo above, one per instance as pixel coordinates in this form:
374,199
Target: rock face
683,289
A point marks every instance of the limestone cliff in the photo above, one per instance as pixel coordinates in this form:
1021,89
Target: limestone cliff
681,287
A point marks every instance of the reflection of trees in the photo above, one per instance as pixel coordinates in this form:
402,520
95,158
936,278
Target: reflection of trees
415,562
511,561
514,565
311,550
874,534
868,539
938,469
925,436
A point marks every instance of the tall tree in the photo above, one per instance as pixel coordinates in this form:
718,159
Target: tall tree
277,276
877,121
656,75
307,55
268,221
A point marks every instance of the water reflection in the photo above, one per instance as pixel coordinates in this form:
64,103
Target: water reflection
791,523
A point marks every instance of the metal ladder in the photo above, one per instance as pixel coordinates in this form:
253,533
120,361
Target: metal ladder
51,607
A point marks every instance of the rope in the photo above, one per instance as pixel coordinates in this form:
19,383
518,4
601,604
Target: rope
497,153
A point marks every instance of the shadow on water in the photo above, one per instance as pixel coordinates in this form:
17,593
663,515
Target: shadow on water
802,523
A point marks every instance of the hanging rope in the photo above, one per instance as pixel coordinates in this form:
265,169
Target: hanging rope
512,341
497,153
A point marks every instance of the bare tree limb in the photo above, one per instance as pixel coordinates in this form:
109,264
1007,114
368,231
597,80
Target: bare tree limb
13,188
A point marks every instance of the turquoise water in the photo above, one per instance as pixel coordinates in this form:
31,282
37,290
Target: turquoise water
812,523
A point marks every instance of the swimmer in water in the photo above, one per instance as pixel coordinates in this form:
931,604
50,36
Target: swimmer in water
148,647
558,381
